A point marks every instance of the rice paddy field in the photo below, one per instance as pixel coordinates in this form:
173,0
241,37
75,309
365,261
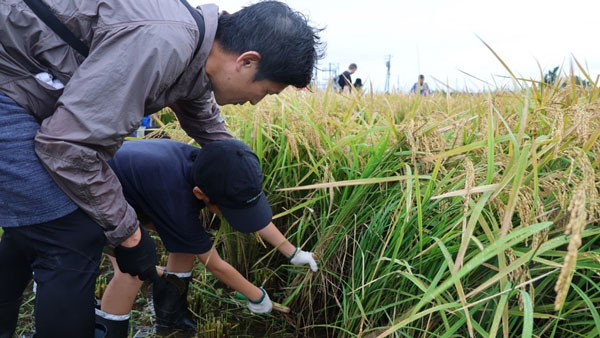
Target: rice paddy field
454,215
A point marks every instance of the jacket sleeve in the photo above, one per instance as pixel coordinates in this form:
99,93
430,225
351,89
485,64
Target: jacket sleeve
201,119
102,103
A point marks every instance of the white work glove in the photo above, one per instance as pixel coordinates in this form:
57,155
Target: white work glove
300,257
263,305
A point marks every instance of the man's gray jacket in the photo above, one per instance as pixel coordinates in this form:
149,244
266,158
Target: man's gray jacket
141,60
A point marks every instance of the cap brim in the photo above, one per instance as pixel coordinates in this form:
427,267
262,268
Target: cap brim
250,219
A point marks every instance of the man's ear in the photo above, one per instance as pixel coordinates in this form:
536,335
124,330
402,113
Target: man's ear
248,59
199,194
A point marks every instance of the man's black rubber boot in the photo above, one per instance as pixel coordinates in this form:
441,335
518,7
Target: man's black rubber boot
9,312
170,305
112,328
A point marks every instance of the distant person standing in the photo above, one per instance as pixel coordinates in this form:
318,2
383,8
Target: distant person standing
421,86
345,80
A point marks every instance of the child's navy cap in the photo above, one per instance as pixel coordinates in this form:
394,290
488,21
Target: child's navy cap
228,172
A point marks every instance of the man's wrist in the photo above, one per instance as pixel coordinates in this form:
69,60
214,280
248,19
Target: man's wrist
133,240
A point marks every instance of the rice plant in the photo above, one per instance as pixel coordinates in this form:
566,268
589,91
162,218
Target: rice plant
454,215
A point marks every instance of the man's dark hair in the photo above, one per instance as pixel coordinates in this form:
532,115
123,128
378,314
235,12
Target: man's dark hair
352,66
289,47
421,76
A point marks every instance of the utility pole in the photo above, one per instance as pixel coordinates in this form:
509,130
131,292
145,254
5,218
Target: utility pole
388,64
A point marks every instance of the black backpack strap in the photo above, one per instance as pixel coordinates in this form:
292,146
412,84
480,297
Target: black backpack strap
45,14
199,21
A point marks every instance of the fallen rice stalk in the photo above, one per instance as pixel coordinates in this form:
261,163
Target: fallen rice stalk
362,181
463,192
505,291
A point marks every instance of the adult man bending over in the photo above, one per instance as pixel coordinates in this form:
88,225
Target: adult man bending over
127,59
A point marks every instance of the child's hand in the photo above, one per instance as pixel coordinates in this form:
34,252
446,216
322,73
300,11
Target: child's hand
263,305
300,257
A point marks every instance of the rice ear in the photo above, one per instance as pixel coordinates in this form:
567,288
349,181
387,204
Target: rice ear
577,222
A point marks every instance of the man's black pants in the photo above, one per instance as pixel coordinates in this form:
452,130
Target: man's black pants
63,255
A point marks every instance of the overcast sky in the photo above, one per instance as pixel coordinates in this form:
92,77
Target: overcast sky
439,38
